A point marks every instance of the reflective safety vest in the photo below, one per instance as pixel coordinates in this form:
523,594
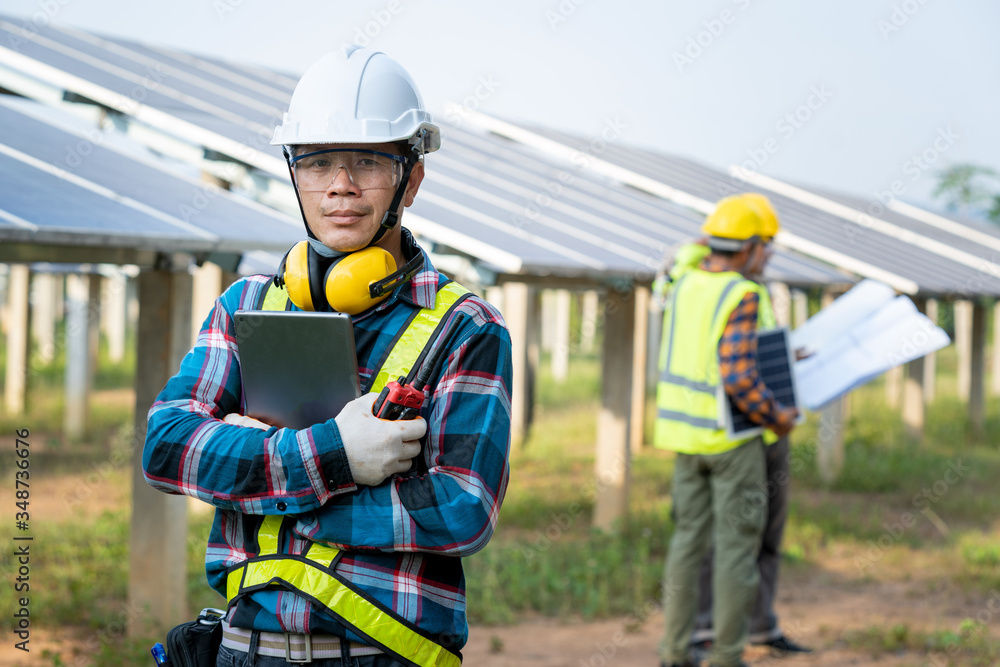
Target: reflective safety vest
687,395
313,574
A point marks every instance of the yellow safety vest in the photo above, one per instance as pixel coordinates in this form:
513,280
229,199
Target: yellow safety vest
313,574
688,407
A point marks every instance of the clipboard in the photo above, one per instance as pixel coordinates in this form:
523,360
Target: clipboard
297,368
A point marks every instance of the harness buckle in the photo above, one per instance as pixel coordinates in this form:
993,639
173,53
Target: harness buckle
307,639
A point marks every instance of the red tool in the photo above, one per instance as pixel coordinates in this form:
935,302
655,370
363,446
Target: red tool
402,398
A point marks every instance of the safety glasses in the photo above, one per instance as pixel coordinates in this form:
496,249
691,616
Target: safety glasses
367,169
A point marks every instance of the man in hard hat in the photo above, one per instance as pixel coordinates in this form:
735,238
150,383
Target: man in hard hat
327,546
764,627
710,336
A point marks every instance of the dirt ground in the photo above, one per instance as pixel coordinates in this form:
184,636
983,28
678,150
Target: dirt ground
819,607
815,610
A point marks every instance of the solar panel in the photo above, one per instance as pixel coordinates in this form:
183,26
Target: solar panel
485,196
774,363
932,271
63,180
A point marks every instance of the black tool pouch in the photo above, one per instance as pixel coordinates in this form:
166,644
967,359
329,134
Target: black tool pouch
196,643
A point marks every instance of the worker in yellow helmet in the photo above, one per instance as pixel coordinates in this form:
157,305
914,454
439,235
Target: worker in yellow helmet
764,627
709,342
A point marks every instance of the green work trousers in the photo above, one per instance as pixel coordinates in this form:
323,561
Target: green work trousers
722,496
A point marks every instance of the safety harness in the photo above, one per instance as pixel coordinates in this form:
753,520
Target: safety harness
313,574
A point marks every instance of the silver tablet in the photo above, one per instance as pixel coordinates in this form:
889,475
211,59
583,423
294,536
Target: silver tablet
298,368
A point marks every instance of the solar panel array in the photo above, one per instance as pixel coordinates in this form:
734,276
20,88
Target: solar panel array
515,210
63,185
953,263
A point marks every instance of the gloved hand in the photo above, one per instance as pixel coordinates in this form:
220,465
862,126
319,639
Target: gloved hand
377,448
785,422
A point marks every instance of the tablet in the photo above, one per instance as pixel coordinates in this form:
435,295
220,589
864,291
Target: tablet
776,365
298,368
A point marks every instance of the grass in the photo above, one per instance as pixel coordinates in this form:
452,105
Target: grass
546,560
967,644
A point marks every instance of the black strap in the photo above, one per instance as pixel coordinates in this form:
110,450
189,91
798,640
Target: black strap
391,216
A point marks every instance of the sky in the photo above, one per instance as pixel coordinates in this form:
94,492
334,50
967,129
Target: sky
847,95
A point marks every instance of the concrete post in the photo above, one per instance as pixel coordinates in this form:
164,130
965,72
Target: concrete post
930,360
913,391
995,374
560,334
93,328
519,313
158,542
588,321
43,317
963,344
494,296
113,315
16,380
640,349
78,354
613,459
653,342
548,322
800,307
977,371
207,281
781,299
830,450
893,385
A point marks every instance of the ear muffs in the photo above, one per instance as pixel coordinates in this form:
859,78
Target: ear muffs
343,284
348,280
301,273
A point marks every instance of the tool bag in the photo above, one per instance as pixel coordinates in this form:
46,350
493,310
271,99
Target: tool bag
196,643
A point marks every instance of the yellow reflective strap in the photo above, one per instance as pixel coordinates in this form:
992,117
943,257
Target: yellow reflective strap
366,618
275,299
267,535
233,581
321,553
406,350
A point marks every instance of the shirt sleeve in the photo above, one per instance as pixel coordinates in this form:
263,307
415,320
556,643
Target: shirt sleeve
738,364
189,450
452,508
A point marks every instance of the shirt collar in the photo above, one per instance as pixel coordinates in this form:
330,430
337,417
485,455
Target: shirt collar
421,290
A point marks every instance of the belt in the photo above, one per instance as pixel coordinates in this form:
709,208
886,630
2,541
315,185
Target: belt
292,647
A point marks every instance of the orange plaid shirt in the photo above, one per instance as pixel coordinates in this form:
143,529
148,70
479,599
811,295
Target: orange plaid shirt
738,364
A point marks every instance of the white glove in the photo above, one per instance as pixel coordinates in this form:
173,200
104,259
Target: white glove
377,448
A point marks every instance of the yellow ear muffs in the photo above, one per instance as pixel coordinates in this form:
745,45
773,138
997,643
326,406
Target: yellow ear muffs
301,272
347,280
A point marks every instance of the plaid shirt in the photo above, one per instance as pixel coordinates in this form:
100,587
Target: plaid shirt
738,364
402,540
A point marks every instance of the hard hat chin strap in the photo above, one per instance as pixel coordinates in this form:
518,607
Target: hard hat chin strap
391,217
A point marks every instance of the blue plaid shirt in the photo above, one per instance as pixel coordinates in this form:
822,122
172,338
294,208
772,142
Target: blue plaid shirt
402,539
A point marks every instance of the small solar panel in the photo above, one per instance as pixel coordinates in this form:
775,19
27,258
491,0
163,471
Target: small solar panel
774,363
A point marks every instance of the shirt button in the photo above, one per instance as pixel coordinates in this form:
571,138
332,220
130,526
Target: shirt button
281,507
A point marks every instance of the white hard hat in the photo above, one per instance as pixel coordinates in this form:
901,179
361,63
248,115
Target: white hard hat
356,96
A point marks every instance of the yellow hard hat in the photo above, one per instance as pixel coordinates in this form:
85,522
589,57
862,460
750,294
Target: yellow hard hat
734,221
768,216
